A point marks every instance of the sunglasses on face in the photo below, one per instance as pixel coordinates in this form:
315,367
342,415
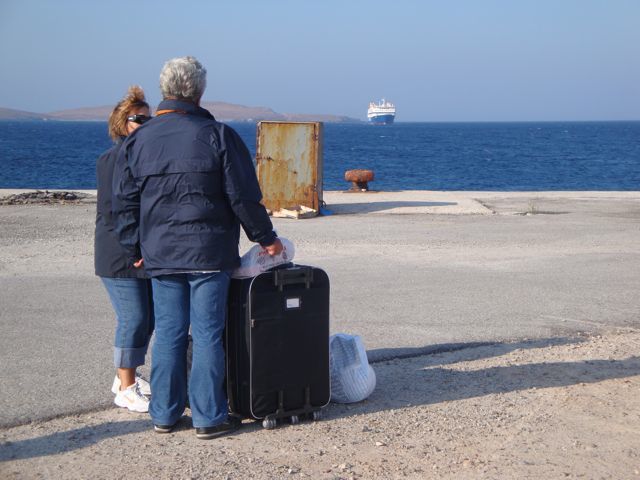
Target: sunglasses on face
139,119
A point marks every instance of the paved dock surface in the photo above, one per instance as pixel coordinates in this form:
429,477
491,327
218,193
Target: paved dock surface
413,273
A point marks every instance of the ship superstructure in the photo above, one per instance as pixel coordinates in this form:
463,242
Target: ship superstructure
381,113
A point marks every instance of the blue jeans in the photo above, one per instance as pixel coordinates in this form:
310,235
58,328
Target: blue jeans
132,303
180,300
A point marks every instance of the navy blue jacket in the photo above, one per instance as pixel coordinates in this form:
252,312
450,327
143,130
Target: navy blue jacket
111,260
183,185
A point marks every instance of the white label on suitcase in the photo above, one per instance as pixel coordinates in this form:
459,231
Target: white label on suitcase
293,302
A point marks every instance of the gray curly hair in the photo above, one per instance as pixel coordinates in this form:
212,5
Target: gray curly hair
183,78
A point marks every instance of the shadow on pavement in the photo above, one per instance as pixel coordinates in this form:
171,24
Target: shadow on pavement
344,208
79,438
69,440
424,381
385,354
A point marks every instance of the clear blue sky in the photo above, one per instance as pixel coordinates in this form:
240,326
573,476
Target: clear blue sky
436,60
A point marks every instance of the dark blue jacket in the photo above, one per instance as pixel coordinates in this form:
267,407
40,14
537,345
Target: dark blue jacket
110,258
183,185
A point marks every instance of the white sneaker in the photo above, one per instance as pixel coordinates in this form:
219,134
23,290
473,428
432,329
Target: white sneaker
145,388
132,399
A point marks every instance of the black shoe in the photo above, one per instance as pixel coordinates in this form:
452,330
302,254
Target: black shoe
230,425
163,428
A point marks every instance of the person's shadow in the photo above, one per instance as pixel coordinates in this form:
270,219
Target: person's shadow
69,440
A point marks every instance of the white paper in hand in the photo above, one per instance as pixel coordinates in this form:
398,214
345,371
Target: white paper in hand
257,260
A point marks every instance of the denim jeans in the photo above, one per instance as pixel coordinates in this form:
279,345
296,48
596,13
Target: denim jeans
132,303
180,300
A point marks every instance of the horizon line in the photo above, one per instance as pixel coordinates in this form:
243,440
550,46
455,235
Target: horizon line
44,119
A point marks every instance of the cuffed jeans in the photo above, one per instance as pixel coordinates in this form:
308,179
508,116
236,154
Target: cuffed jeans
132,303
180,300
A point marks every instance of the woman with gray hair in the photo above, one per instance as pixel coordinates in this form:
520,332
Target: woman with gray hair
182,189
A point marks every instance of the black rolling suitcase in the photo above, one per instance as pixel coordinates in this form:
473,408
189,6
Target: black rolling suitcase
277,345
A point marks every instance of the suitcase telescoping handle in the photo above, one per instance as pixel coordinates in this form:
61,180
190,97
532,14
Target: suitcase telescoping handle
293,276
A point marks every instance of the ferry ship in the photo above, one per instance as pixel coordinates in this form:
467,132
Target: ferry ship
382,113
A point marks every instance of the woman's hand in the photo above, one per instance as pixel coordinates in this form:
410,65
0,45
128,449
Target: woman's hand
139,263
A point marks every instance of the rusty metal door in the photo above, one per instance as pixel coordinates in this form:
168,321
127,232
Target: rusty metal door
289,164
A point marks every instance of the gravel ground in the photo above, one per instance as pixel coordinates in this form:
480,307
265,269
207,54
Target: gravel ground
564,408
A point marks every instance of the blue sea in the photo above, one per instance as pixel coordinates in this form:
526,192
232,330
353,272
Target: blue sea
404,156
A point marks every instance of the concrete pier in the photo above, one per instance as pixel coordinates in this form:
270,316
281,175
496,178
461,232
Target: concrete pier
480,281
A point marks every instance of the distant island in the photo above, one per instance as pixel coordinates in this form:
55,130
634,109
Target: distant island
225,112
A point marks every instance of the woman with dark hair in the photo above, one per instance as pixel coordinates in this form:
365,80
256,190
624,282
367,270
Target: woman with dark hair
128,286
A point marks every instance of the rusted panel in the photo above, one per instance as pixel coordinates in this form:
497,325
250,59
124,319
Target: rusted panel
289,164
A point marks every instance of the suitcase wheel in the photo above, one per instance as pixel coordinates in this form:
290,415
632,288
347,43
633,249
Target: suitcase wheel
269,423
317,415
294,420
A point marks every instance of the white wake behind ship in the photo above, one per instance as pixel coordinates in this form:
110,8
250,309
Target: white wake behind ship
381,113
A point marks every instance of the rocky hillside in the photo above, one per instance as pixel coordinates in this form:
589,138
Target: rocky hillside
226,112
11,114
80,114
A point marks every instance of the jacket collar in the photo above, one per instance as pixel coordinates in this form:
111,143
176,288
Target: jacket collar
186,107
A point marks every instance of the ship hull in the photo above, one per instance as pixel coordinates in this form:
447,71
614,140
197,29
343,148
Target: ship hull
382,119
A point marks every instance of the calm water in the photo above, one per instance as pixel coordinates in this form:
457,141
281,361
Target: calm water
404,156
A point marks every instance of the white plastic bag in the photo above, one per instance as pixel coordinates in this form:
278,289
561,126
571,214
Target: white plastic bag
257,260
352,378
